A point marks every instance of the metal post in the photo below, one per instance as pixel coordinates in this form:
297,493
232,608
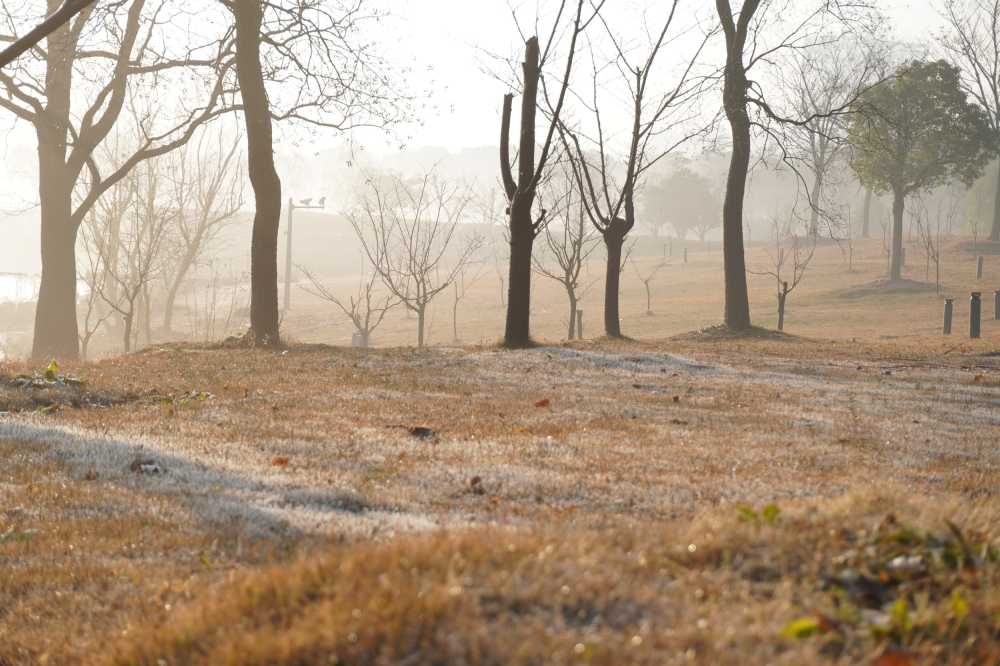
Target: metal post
949,308
996,305
975,311
685,255
288,256
579,324
979,268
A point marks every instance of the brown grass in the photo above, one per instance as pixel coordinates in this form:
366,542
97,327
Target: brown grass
294,494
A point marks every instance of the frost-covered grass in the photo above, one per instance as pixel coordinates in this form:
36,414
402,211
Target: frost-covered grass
640,449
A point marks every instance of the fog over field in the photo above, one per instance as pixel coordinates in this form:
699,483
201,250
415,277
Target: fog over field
499,332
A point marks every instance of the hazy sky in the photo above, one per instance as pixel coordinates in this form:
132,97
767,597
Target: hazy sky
446,38
443,44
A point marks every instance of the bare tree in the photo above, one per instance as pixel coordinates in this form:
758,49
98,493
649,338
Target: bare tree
647,277
408,233
94,276
57,19
609,201
105,53
134,251
929,219
524,225
366,308
570,239
207,189
823,81
787,246
751,28
973,42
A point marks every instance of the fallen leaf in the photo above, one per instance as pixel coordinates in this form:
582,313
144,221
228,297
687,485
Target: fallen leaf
894,658
279,461
544,402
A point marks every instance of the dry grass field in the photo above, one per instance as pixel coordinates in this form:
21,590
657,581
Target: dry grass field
828,496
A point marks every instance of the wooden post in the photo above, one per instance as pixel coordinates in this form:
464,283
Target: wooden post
579,324
975,312
949,308
979,268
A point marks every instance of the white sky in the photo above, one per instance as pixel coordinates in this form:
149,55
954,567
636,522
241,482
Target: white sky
445,38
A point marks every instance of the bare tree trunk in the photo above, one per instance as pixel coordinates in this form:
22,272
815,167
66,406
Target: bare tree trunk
817,193
898,206
612,281
734,100
263,176
421,311
866,214
56,328
737,299
571,333
454,315
995,231
522,238
56,331
522,233
170,303
127,336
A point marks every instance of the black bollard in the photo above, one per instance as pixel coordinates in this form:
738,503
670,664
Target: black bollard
979,268
996,305
975,311
949,308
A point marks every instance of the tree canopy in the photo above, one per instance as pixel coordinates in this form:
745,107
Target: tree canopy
918,130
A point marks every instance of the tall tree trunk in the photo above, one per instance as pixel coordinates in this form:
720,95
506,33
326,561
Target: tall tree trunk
56,331
898,205
263,176
521,196
734,98
866,214
612,280
995,231
517,332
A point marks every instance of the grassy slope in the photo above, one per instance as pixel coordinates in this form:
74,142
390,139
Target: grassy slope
298,520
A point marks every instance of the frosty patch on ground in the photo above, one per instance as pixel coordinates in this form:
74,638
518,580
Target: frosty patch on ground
629,362
266,501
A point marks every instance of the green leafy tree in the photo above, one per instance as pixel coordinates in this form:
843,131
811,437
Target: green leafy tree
686,200
915,132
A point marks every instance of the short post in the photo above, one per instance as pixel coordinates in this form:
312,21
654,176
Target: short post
979,268
670,249
902,256
996,305
579,324
685,255
975,311
949,308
